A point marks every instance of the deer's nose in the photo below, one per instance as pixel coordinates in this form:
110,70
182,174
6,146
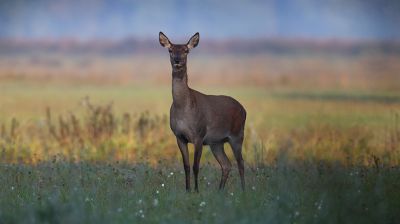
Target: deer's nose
176,61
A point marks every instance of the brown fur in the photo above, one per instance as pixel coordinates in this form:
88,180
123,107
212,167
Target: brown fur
203,119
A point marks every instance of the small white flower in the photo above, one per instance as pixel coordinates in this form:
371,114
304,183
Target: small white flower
139,201
202,204
162,185
140,213
172,173
231,193
155,202
253,188
297,213
319,204
12,188
157,192
87,199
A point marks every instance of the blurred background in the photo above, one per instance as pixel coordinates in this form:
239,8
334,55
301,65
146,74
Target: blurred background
69,39
303,69
256,19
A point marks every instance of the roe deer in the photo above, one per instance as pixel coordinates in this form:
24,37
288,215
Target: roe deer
203,119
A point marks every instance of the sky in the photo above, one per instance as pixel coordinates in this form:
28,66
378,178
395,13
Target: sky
223,19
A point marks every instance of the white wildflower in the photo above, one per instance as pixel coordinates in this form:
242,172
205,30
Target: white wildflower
319,204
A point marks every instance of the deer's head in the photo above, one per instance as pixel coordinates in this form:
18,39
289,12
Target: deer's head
178,52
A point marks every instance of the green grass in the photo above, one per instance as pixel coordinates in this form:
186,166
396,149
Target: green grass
60,192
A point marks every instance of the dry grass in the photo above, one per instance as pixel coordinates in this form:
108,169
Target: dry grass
98,133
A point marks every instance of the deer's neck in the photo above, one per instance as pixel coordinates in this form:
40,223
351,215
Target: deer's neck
180,88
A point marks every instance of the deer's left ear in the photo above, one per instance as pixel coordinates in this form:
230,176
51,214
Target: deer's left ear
194,41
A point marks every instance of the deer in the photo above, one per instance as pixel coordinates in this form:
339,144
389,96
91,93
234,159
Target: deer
202,119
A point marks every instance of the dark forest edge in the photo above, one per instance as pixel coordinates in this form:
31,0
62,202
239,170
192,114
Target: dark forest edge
234,46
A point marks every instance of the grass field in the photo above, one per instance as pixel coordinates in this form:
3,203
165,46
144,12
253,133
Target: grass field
60,192
323,148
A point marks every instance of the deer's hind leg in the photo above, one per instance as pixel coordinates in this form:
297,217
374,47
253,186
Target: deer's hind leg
236,144
219,153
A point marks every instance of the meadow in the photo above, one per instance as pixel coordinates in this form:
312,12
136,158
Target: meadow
86,139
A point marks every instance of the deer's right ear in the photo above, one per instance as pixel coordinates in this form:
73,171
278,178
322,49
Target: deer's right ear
164,40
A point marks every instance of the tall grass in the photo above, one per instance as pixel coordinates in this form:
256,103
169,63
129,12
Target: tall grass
100,134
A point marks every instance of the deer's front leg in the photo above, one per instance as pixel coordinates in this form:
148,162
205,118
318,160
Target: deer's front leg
198,148
182,144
